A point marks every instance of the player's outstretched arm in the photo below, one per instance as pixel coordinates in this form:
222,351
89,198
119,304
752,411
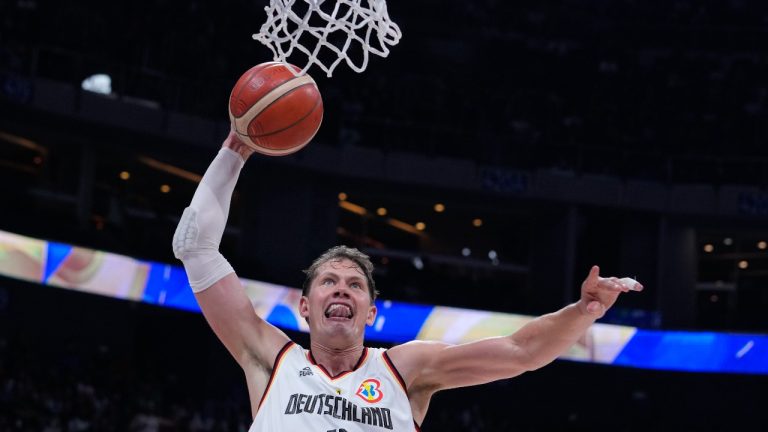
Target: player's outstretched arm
428,367
251,340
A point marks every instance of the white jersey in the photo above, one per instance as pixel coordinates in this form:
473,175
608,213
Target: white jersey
302,396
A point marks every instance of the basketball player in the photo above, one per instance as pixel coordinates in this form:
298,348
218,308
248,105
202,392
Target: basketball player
339,384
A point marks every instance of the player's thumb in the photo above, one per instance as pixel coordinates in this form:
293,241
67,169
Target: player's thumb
594,275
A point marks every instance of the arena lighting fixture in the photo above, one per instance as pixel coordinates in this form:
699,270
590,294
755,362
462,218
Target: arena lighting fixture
125,175
403,226
727,241
762,245
354,208
743,264
342,196
23,142
421,226
492,254
417,262
439,207
466,252
170,169
165,188
477,222
381,211
98,83
708,248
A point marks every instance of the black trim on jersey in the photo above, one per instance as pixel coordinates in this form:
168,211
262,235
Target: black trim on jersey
394,369
359,363
280,355
399,377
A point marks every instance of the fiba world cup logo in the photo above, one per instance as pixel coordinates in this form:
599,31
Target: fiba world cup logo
370,390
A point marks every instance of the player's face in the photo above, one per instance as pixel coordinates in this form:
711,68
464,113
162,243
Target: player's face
338,303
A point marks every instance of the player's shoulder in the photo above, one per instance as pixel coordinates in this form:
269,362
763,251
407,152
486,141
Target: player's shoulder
414,351
289,350
411,358
418,346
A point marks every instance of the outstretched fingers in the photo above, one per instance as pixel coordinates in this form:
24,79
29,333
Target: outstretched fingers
631,284
619,285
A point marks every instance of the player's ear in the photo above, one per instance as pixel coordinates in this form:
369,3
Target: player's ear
304,308
371,318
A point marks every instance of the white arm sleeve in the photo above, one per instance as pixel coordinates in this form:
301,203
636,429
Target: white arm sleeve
197,237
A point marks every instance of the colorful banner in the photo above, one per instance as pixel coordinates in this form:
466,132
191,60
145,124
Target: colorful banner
103,273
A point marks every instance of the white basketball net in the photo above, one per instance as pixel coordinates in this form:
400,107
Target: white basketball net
366,23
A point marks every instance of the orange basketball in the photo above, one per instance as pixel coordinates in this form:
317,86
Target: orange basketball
273,111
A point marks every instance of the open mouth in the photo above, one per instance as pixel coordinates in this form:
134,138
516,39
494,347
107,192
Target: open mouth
338,311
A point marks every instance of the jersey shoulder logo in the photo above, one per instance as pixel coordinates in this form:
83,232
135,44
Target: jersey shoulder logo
305,372
370,390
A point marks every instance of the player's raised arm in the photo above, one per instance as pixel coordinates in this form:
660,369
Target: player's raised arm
431,366
251,340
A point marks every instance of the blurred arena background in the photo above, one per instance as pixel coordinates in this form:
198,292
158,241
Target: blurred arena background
555,135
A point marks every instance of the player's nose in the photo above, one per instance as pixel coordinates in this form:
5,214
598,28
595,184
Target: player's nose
341,290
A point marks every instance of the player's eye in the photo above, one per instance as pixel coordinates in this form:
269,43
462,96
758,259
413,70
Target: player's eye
356,285
328,281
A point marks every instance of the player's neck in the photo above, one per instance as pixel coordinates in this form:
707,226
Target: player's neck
336,360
